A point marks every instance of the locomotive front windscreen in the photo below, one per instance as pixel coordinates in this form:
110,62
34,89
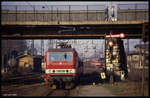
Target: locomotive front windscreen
60,56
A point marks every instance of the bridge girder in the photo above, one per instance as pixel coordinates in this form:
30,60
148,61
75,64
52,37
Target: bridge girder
71,31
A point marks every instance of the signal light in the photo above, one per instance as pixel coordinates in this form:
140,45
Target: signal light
122,35
111,43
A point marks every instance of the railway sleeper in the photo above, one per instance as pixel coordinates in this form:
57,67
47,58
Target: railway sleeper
61,84
69,85
53,84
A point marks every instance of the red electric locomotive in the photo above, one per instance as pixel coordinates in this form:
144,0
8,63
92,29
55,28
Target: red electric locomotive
63,67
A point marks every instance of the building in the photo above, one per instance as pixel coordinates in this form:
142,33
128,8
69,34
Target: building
140,48
11,49
31,63
25,60
136,59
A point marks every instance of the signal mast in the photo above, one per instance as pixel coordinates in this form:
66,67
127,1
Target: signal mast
115,59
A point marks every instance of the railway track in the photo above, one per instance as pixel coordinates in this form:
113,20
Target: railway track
26,79
54,90
58,92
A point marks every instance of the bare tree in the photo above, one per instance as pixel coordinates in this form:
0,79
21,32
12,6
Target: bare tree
11,47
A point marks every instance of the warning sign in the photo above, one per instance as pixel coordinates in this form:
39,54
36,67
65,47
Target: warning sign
103,76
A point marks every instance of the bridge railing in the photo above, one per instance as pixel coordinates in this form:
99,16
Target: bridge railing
133,12
53,13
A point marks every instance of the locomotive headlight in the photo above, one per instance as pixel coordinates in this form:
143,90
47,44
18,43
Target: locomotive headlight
46,71
73,71
70,71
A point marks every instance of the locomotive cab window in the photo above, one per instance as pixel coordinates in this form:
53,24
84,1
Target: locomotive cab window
66,57
54,57
60,56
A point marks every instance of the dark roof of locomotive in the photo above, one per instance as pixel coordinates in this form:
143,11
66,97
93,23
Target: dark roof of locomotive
62,50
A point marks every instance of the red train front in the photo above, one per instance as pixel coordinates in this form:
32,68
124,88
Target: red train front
63,67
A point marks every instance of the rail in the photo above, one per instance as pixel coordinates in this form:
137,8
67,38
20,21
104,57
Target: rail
53,13
69,14
133,12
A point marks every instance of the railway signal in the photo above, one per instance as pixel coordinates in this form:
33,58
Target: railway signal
121,35
103,75
114,54
111,43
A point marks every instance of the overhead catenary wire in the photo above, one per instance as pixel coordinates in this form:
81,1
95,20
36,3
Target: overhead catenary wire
33,9
47,6
30,5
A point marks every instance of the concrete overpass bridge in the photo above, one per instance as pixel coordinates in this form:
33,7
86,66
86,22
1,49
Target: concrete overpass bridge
89,23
